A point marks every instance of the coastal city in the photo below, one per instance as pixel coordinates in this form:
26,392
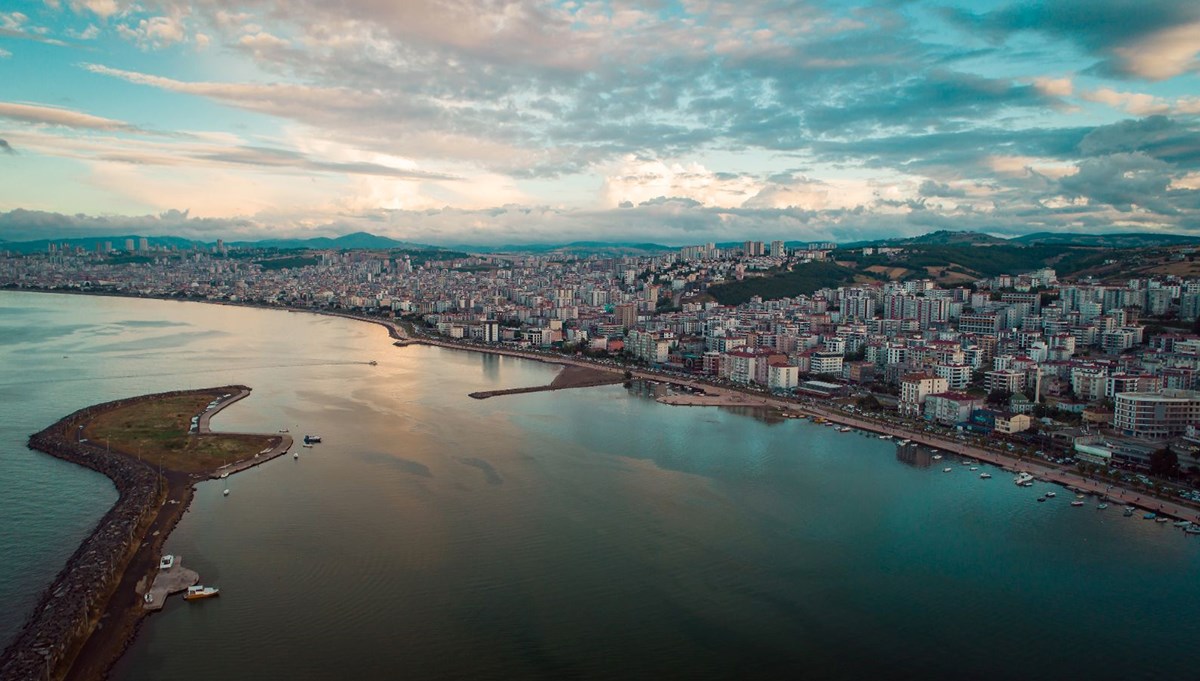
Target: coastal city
1088,375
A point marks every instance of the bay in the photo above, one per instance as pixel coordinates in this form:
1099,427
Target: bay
589,533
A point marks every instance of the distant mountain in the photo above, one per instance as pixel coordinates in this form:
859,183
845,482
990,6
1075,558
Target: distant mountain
579,248
356,240
1125,240
943,237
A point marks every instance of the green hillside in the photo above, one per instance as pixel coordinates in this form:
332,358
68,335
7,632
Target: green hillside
803,279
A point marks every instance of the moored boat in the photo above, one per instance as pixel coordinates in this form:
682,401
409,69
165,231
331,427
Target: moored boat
1101,506
309,439
1077,503
197,592
947,470
985,476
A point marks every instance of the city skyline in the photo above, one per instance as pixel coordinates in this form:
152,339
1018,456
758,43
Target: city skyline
532,122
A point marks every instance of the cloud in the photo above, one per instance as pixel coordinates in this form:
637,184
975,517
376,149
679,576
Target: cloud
47,115
154,32
1155,40
1140,104
1125,181
6,148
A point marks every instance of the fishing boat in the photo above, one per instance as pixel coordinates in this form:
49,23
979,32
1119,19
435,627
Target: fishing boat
195,593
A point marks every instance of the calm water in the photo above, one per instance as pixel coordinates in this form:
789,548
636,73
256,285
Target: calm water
581,534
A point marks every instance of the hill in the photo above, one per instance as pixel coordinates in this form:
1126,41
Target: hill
1124,240
802,280
353,241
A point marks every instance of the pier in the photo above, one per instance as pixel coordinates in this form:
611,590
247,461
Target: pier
169,581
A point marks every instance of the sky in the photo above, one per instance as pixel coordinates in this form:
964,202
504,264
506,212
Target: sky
678,122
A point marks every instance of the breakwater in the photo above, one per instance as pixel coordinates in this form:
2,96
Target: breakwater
71,606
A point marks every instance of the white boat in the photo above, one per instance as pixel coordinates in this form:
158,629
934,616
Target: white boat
225,474
1051,495
283,430
166,562
197,592
985,476
974,468
306,445
937,457
1182,523
1101,506
226,492
1077,503
947,470
295,455
1023,479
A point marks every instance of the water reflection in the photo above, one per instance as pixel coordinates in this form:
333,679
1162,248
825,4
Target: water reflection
914,455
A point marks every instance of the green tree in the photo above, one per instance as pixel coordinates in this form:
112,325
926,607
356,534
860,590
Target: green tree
1164,463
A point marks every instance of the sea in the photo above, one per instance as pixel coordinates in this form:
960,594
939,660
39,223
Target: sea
582,534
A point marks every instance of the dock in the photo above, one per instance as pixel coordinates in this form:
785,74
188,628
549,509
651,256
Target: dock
170,581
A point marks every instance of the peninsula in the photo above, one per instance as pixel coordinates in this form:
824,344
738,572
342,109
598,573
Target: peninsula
154,448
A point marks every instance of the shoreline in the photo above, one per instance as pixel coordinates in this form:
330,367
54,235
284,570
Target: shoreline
744,398
90,613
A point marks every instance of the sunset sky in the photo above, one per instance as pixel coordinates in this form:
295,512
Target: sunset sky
676,122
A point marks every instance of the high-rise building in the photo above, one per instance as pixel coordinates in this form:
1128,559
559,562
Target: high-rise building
143,244
626,315
129,245
777,249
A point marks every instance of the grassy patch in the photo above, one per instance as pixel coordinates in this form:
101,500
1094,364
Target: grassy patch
156,431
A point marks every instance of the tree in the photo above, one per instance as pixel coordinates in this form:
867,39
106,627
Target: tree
1164,463
867,403
998,397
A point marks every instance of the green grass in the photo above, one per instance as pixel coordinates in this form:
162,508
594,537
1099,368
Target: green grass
803,279
156,431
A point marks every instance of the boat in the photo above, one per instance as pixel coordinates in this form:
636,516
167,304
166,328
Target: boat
1192,529
1077,503
166,562
974,468
1051,495
309,439
933,451
373,363
283,430
844,429
226,492
1101,506
1162,519
306,445
225,474
195,593
1041,499
905,443
985,476
1023,478
1128,512
149,597
295,455
937,457
1182,523
947,470
1150,516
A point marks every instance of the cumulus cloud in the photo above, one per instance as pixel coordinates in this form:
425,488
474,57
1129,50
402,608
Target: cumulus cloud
154,32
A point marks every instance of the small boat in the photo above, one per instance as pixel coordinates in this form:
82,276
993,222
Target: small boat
306,445
1192,529
295,455
1041,499
1077,503
225,474
373,363
1128,511
166,562
283,430
937,457
309,439
226,492
1023,479
974,468
149,597
947,470
985,476
195,593
1101,506
1162,519
844,429
933,451
1150,516
1182,523
1051,495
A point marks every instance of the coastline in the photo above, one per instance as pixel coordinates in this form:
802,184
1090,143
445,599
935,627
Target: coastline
736,397
89,614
